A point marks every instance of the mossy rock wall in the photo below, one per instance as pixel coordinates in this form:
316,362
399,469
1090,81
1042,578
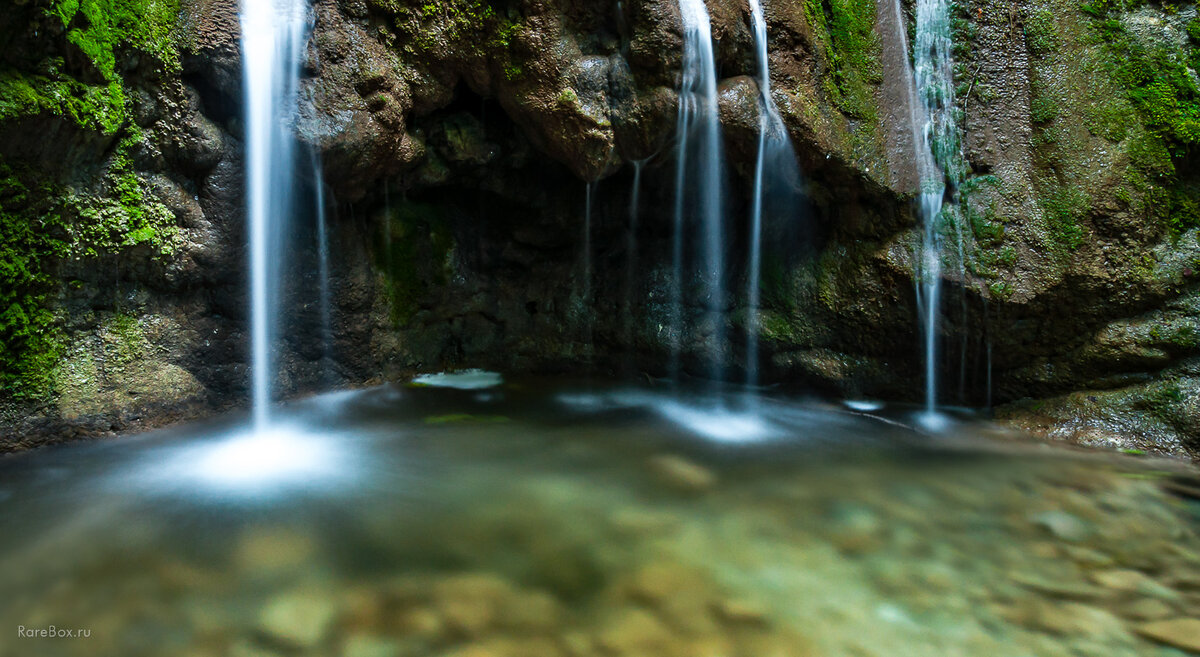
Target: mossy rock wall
458,141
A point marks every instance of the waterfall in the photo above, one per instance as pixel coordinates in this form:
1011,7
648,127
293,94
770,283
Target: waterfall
698,182
587,245
273,36
776,159
935,139
322,261
631,264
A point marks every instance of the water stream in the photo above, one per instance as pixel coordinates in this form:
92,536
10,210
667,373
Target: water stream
775,166
273,36
325,306
935,137
698,191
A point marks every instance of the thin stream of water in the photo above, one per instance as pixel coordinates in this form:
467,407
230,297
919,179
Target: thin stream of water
273,35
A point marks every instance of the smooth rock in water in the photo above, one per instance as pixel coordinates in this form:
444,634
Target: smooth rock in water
1121,579
271,552
1133,581
741,612
682,474
298,618
1062,525
469,604
1182,633
247,649
1086,556
635,632
1065,618
367,645
533,612
1149,609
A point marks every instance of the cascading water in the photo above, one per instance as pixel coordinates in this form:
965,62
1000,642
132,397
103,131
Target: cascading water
273,36
698,181
935,138
322,259
631,256
775,158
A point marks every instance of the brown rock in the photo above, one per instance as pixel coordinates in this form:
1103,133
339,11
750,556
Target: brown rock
1183,633
682,474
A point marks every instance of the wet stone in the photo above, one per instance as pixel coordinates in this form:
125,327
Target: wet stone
1148,609
682,474
366,645
298,618
1182,633
1062,525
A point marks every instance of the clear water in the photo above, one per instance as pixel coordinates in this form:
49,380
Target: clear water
698,192
546,518
273,35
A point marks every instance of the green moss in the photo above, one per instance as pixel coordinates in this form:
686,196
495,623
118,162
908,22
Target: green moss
416,257
845,31
102,30
1065,208
1161,401
41,224
1043,109
1001,290
99,28
1041,33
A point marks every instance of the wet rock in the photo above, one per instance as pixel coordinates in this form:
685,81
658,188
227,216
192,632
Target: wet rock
635,632
1148,609
267,552
1062,525
366,645
1066,618
1182,633
741,612
1132,581
681,474
470,604
298,618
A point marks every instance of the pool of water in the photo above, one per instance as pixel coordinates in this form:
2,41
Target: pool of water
536,519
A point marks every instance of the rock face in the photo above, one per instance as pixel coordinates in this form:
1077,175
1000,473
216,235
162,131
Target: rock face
459,140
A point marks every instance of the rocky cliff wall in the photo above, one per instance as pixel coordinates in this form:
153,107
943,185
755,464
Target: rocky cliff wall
458,139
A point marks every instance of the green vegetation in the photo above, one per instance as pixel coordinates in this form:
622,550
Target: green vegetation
101,30
1065,208
1161,92
417,255
476,24
43,222
1041,33
845,31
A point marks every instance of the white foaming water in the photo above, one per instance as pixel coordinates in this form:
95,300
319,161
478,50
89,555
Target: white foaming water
698,180
935,138
473,379
273,36
254,465
718,423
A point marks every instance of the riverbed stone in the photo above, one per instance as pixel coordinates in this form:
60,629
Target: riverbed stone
1182,633
301,618
682,474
